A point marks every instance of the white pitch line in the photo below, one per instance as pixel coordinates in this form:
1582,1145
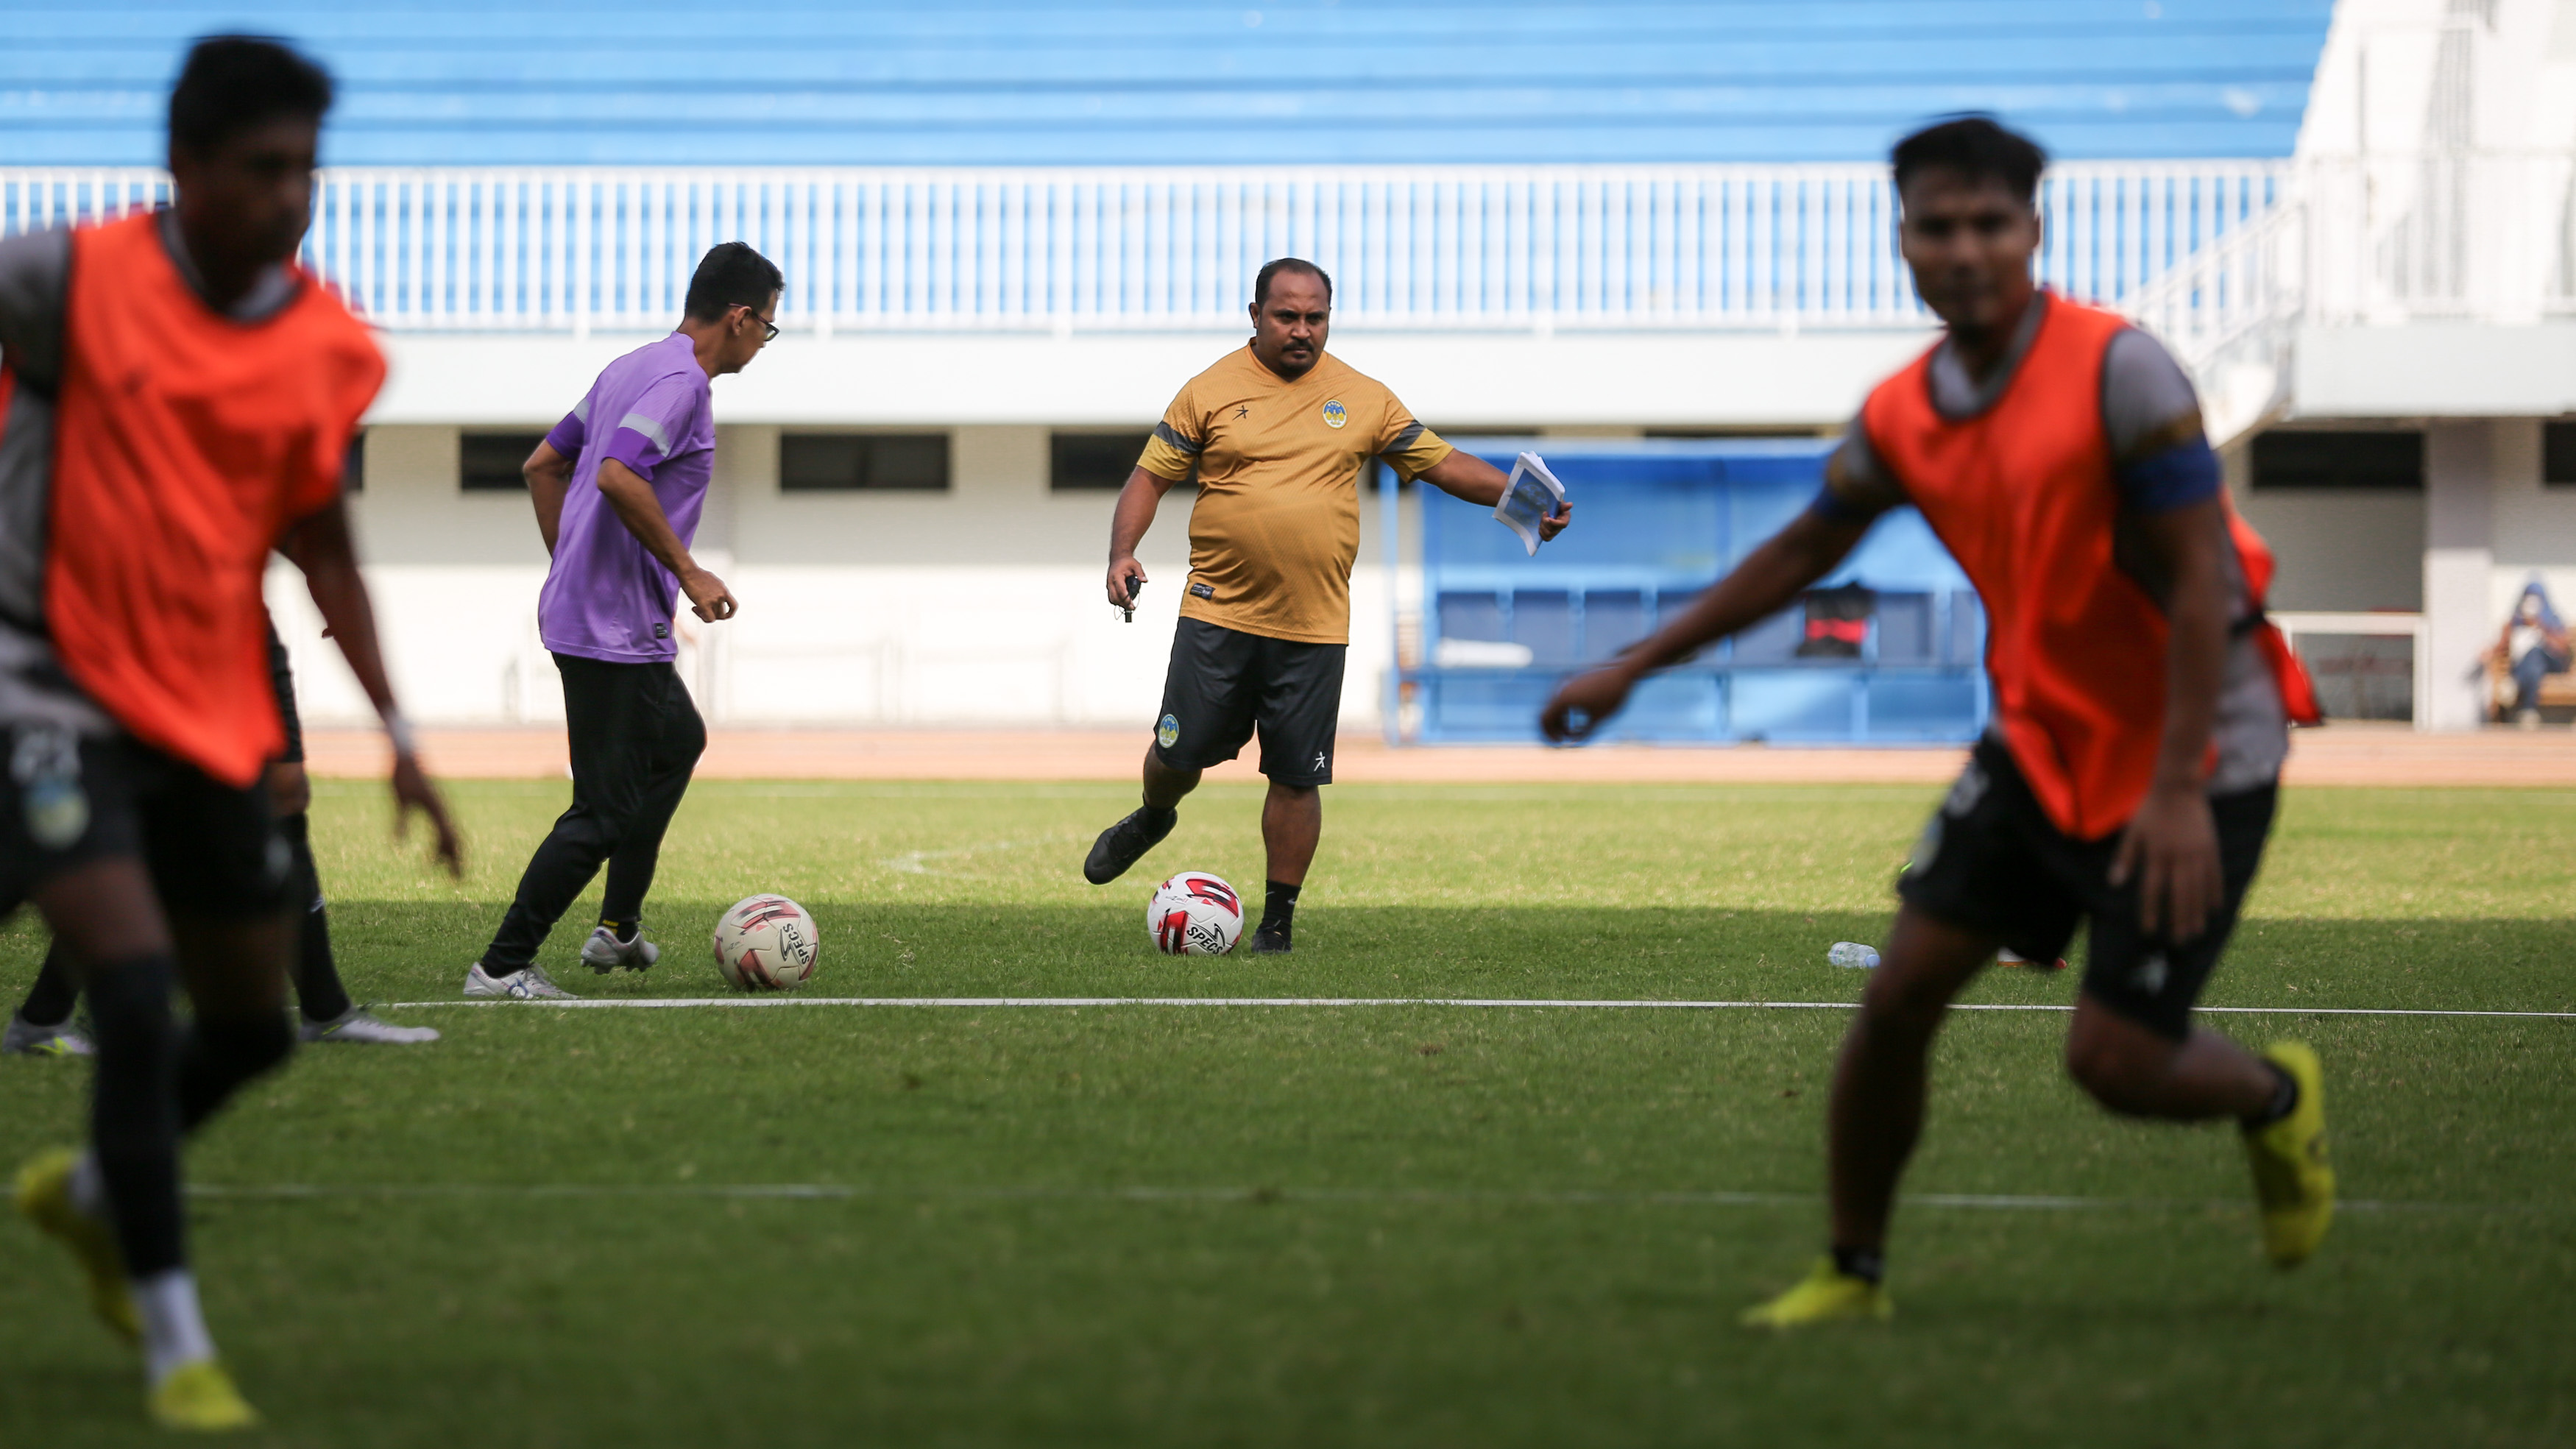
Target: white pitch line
650,1003
1535,1197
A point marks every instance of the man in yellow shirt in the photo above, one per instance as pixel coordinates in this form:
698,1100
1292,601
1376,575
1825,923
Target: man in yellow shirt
1278,433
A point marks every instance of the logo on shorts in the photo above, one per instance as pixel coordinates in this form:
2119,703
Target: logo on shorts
1321,760
46,765
2150,975
1970,789
1335,414
1168,733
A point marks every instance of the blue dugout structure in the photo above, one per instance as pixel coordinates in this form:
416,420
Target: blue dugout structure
1898,659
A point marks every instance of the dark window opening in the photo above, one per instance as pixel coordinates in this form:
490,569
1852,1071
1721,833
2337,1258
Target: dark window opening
489,462
1082,461
2558,454
2287,458
826,462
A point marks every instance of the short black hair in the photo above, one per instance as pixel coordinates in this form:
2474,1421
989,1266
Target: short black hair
230,83
730,275
1261,282
1977,147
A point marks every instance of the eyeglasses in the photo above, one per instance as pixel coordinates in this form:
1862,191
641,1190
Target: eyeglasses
772,333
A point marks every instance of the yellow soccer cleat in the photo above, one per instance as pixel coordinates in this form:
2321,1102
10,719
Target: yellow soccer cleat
1827,1295
199,1397
2292,1178
45,1197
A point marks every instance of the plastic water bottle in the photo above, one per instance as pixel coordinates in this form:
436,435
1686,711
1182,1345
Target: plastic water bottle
1854,955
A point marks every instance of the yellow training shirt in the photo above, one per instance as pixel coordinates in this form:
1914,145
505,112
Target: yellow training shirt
1277,521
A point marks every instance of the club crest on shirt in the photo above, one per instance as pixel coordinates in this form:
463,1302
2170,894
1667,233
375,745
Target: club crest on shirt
1335,414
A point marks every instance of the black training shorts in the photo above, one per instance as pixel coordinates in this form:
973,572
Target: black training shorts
1992,860
212,849
1224,682
281,679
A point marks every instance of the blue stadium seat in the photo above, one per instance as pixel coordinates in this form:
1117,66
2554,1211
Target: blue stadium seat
804,82
1661,520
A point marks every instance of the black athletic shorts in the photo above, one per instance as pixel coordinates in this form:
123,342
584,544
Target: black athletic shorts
212,849
1992,860
1224,682
281,678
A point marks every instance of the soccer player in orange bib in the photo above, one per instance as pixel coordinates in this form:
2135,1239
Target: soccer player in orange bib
2142,705
176,399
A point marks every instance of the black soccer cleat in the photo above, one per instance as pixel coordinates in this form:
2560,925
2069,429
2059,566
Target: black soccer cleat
1270,940
1125,843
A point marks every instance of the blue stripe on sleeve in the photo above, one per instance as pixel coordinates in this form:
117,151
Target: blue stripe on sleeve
2178,477
1835,508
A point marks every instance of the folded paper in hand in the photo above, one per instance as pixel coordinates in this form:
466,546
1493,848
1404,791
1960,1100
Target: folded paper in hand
1532,494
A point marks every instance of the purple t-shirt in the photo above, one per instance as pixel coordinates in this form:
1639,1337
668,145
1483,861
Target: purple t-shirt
606,598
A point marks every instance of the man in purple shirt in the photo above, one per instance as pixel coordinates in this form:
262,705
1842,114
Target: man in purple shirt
618,486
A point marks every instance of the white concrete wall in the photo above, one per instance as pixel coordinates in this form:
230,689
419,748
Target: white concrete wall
1456,381
2378,87
2337,549
980,605
2535,526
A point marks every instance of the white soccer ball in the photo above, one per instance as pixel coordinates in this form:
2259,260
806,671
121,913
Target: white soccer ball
1194,914
766,943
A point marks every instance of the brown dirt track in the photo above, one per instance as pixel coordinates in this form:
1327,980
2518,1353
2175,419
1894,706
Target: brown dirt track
2336,755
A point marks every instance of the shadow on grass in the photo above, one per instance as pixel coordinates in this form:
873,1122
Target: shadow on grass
416,951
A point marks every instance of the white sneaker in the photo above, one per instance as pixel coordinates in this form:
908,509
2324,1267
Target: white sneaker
604,953
26,1039
527,984
358,1025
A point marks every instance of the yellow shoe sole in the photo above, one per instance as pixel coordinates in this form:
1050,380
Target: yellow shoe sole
44,1195
2293,1178
1826,1296
200,1398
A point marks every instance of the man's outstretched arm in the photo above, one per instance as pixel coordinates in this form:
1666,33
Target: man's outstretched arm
321,547
1469,478
1775,573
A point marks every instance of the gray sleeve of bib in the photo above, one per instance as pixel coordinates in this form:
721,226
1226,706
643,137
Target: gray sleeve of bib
35,276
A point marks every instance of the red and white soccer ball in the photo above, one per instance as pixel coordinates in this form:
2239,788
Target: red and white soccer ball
1194,914
766,943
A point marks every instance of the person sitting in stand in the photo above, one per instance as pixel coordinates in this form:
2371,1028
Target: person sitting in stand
2533,646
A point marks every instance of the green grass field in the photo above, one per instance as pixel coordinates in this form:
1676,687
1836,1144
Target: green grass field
1365,1225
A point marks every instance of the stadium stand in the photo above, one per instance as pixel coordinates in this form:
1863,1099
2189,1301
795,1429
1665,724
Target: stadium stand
1010,229
999,83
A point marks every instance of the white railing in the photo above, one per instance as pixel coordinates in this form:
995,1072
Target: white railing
1779,247
2203,251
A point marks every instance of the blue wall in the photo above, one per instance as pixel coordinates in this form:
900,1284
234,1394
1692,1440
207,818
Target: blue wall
1658,522
1255,81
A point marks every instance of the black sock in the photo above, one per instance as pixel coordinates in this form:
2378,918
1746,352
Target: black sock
623,927
1159,813
318,992
220,1054
49,1002
2285,1098
1279,907
134,1111
1868,1264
